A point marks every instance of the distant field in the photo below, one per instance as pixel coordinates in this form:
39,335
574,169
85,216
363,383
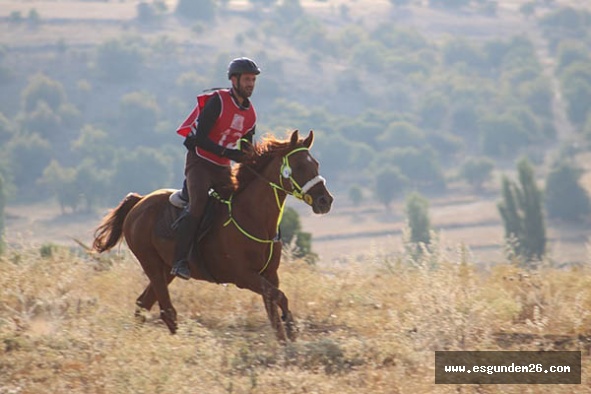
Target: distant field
345,234
72,21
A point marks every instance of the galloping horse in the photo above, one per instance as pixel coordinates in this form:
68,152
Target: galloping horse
242,245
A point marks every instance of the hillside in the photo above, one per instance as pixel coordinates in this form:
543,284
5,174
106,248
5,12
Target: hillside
68,33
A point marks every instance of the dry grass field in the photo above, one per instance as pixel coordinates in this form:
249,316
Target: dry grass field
369,316
67,326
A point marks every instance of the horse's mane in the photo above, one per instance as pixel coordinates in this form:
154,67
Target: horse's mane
266,150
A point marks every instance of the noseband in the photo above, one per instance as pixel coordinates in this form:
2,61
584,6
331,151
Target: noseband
299,192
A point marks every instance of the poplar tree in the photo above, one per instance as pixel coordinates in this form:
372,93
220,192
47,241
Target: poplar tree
2,205
521,211
417,213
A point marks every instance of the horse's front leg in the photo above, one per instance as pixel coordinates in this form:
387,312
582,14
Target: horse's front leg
273,298
272,312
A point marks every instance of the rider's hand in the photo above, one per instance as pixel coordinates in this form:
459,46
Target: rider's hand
247,148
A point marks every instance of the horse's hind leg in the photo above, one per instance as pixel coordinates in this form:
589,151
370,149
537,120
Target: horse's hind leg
147,299
159,274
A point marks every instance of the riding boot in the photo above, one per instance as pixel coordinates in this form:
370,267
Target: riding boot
185,236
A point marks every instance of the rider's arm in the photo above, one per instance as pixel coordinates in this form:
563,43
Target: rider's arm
249,135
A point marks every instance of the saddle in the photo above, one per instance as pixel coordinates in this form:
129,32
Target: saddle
167,223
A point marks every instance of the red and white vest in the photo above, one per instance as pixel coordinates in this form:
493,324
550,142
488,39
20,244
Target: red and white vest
231,125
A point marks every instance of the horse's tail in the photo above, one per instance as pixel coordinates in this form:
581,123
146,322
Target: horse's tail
110,230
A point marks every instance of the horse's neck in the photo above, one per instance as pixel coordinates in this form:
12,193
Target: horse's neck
260,200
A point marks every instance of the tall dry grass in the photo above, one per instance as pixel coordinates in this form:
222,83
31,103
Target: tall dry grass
372,326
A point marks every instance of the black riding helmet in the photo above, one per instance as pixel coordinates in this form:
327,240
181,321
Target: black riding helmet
242,65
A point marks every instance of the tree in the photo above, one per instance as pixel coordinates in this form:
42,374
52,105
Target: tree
138,112
417,216
433,111
451,4
42,89
578,96
538,96
290,10
61,182
565,198
119,60
141,170
33,17
6,129
420,166
528,9
389,183
151,12
369,55
402,134
521,212
145,13
464,122
587,130
93,143
203,10
462,51
28,157
400,3
43,121
446,145
91,183
476,171
263,3
570,52
291,231
2,206
502,135
356,195
290,225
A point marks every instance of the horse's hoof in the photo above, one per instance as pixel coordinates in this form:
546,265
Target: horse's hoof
169,318
140,315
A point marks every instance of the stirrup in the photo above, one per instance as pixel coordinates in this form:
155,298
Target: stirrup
181,269
176,199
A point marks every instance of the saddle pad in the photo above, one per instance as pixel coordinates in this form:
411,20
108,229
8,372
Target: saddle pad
165,220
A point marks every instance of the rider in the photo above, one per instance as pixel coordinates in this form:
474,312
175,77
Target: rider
227,117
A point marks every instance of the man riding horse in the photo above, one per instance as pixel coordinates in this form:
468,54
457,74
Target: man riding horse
213,132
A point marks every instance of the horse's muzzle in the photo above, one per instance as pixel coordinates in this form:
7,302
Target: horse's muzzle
322,203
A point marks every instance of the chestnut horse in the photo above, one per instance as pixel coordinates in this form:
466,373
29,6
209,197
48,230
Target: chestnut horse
242,245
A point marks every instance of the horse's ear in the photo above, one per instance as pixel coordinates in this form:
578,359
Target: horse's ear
295,136
309,139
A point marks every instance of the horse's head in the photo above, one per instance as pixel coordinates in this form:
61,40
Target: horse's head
299,173
288,166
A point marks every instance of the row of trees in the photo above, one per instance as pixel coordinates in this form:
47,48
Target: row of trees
521,209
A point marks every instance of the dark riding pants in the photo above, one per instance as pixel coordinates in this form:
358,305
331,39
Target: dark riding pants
201,176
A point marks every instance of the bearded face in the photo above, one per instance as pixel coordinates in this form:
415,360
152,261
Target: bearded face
243,84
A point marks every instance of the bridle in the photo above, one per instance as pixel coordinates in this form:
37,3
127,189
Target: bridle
299,192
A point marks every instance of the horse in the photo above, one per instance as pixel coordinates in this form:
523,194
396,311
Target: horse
242,243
